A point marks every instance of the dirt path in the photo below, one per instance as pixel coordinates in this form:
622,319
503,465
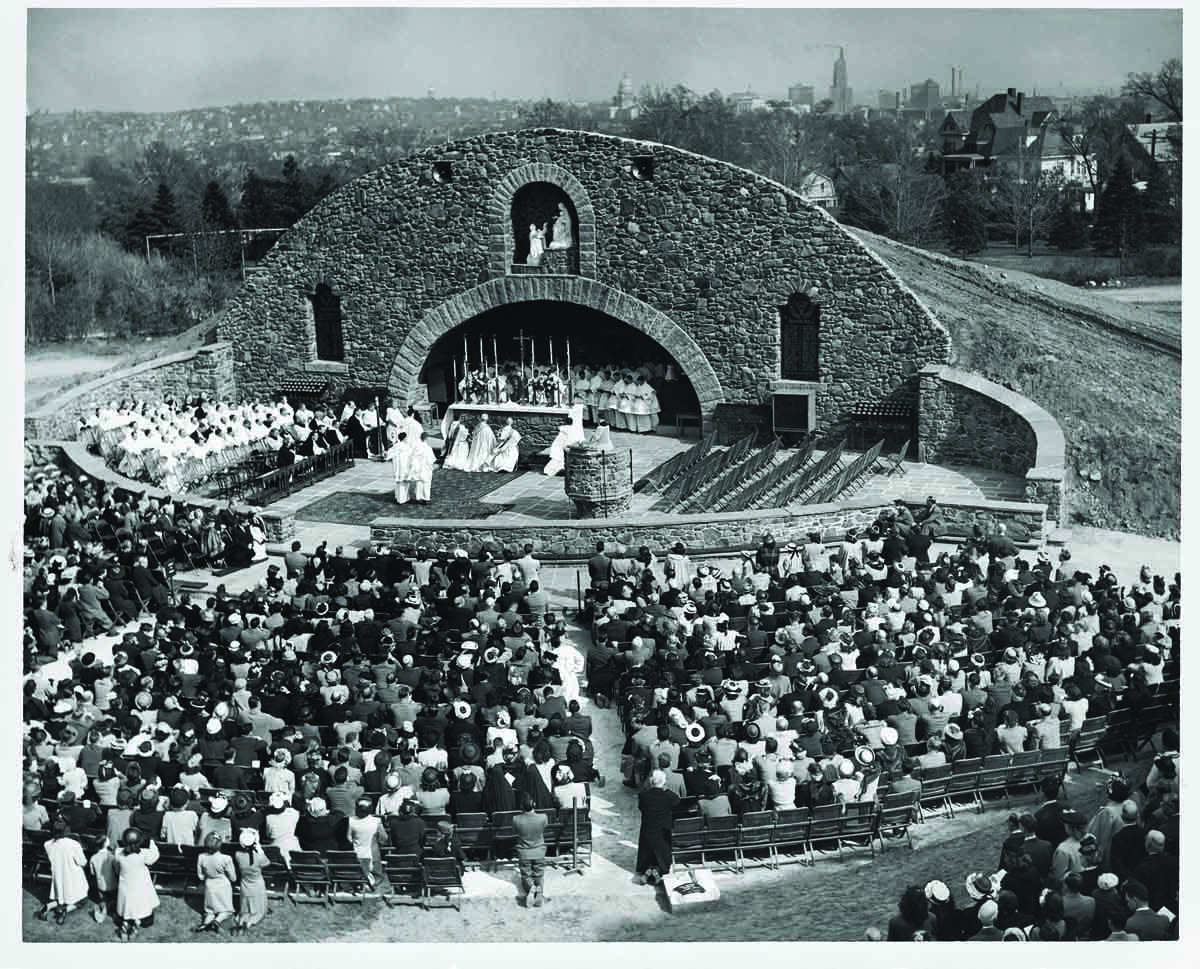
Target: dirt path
1144,294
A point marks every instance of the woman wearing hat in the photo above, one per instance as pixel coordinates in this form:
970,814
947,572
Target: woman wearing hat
180,822
216,870
434,796
136,897
746,791
215,820
278,775
250,860
568,791
68,874
365,832
279,824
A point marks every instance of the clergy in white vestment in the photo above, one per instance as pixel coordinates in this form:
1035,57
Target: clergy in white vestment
506,452
401,454
421,468
395,417
456,446
483,443
568,434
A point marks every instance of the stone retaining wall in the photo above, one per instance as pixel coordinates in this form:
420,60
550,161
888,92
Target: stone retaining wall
208,368
966,419
1026,522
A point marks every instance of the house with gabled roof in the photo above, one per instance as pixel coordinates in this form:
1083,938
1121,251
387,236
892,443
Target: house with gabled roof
1008,129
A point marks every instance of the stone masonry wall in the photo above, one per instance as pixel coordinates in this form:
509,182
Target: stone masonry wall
1026,522
713,249
965,419
208,368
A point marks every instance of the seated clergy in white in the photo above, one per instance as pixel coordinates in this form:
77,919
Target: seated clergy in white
506,451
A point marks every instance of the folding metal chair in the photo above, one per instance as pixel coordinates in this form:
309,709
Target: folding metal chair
441,877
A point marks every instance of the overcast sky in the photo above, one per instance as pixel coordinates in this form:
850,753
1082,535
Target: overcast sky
168,59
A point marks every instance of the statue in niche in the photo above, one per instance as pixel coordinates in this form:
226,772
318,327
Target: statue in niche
563,237
537,245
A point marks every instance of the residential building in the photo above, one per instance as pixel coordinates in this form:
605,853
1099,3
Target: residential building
1007,129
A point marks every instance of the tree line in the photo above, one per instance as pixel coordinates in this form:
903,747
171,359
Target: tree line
157,245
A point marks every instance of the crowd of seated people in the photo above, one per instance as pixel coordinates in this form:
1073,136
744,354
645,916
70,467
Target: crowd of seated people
1062,875
178,445
94,556
410,688
805,676
410,685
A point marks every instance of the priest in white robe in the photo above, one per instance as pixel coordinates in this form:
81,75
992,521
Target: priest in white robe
423,460
401,454
483,443
568,434
507,451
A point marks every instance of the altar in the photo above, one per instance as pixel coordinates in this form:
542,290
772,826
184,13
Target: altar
537,424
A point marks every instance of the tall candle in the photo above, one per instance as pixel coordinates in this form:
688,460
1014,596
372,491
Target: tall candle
551,351
466,356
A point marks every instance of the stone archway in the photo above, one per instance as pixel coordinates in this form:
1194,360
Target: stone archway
502,242
410,357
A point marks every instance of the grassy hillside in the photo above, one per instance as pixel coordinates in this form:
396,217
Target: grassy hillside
1109,371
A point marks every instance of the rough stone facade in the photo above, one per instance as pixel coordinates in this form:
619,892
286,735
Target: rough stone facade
700,257
1026,523
965,419
208,368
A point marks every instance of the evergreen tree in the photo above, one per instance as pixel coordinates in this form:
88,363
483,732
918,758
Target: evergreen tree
215,211
256,208
1068,231
163,210
963,213
1161,214
1119,228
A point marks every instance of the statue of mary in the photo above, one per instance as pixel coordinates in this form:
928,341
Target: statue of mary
537,245
563,237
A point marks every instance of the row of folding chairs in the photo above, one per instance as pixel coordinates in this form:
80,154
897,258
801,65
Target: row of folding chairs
338,876
974,778
772,838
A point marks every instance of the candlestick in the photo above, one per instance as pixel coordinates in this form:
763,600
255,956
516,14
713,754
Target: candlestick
570,377
466,356
487,390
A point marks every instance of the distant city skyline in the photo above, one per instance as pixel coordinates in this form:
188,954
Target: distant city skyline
157,60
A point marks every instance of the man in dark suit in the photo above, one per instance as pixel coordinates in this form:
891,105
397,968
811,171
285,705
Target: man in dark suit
1144,922
151,588
1039,850
1050,825
1159,872
600,568
285,457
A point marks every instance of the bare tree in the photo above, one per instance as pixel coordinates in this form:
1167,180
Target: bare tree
1095,134
1164,87
902,200
1027,202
